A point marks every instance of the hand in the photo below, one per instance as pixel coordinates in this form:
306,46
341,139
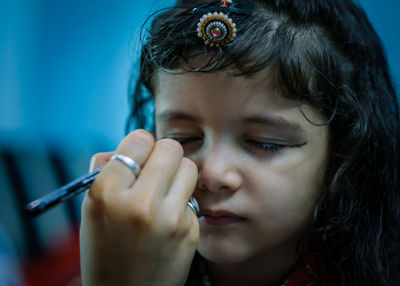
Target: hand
140,231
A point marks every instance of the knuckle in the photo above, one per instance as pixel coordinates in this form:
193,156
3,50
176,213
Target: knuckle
173,227
141,136
95,193
101,185
93,207
109,181
140,217
139,221
172,231
189,165
170,145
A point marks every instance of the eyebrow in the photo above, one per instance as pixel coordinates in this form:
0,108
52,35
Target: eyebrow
274,121
174,116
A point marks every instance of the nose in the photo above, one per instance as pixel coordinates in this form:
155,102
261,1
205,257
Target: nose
218,170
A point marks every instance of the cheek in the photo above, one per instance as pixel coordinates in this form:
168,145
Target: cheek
280,196
284,211
285,193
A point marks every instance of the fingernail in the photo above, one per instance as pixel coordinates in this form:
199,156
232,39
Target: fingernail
92,164
201,219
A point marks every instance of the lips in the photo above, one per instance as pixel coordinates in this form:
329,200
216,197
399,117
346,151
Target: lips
219,217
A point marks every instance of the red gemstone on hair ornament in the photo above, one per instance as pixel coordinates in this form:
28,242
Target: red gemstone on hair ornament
216,32
216,28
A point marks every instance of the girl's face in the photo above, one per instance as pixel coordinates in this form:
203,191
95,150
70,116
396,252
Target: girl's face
261,162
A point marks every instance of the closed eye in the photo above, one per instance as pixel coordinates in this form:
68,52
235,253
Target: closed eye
186,140
269,147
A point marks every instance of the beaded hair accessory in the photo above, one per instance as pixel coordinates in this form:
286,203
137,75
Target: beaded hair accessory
216,27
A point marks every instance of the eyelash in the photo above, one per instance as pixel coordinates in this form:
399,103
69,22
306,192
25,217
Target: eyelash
186,140
268,147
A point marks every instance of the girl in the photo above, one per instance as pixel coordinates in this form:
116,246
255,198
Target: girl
280,119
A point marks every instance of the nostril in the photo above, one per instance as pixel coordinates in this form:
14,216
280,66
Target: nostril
201,186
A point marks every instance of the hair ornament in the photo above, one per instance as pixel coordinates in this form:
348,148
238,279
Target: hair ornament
216,27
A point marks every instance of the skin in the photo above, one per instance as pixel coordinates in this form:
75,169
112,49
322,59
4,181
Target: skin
275,191
140,231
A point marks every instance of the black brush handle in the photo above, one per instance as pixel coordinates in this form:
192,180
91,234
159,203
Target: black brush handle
62,194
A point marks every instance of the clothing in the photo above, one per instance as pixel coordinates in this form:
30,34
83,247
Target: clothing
310,270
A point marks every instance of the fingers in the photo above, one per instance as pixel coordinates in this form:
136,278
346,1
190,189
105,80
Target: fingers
183,184
160,169
99,159
116,177
138,145
165,175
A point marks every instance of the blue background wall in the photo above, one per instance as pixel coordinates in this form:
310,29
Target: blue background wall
64,72
65,66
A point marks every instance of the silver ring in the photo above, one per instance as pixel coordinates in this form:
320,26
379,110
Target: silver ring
194,205
129,162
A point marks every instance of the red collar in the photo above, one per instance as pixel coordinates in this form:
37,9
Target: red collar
311,270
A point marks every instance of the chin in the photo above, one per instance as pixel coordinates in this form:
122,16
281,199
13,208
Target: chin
223,253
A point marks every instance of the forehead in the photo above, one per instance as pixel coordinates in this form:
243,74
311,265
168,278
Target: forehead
222,95
222,87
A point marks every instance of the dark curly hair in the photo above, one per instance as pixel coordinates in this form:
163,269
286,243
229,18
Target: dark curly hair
325,53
